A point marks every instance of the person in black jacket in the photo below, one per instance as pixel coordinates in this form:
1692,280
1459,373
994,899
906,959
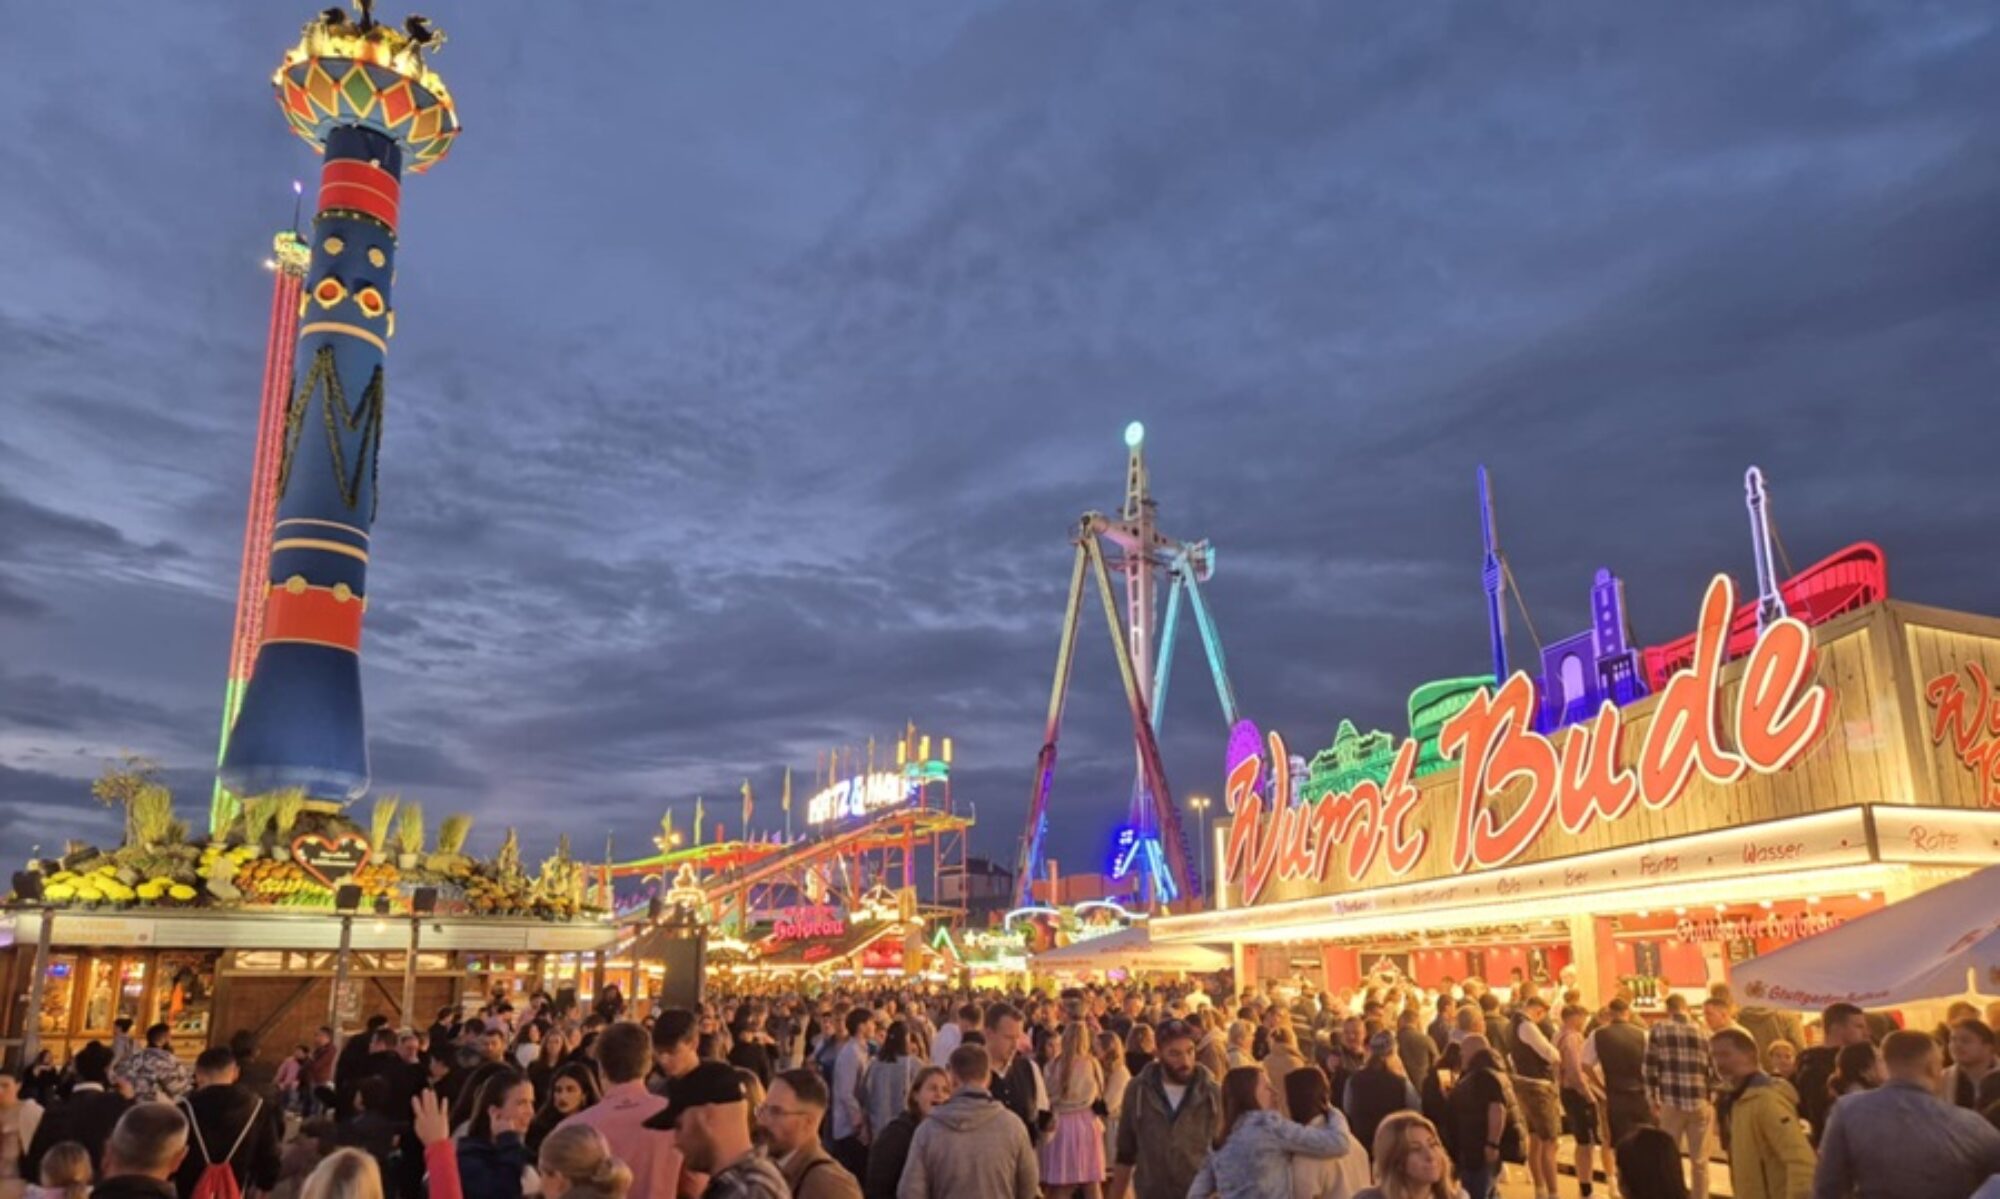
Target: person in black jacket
86,1117
228,1123
891,1147
352,1065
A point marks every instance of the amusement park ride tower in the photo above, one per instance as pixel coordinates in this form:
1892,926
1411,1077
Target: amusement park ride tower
1152,844
358,92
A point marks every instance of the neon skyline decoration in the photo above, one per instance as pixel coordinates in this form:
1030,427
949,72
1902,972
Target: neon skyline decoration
1781,712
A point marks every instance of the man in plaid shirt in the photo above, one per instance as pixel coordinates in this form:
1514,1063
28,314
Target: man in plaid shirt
1679,1084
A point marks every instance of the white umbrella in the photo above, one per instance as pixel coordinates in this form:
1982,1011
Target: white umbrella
1937,944
1131,949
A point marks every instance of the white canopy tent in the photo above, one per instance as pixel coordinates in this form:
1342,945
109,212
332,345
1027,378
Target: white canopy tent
1938,944
1130,949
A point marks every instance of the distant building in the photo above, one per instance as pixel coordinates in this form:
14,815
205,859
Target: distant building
982,887
1072,889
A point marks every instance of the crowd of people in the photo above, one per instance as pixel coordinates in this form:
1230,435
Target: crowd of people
1122,1092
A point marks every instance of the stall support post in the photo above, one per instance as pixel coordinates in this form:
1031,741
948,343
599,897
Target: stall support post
340,979
31,1020
1594,955
410,975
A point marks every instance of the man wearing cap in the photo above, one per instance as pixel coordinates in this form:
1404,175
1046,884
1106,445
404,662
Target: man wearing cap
1172,1113
624,1053
710,1119
790,1117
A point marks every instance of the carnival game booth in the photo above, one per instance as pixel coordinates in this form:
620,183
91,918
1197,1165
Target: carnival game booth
1767,778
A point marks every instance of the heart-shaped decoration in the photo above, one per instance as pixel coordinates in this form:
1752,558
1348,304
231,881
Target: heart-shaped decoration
330,859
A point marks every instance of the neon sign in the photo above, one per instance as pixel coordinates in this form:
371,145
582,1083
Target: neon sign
1576,782
1972,732
1124,851
860,795
807,924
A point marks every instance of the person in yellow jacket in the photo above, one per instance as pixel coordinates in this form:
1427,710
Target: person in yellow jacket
1769,1156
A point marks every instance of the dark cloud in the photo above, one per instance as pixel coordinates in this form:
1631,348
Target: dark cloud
755,363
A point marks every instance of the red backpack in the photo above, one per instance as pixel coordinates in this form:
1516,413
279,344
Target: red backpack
217,1180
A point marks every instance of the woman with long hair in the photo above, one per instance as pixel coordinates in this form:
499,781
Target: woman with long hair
1111,1058
571,1089
891,1148
1410,1161
1253,1156
885,1089
492,1160
576,1163
1073,1154
554,1049
344,1174
1309,1101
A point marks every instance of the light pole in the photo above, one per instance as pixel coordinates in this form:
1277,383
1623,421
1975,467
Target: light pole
1200,805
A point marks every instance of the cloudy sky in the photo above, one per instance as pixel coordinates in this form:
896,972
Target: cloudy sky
753,360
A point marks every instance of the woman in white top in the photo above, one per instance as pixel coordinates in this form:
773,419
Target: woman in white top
1073,1156
1309,1101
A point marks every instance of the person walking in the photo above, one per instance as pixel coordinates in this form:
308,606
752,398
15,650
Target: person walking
1171,1116
1973,1079
1072,1158
142,1153
624,1053
579,1161
850,1113
1309,1101
1377,1090
86,1117
1284,1056
493,1161
229,1126
1616,1051
1677,1084
1769,1156
971,1147
1841,1025
1111,1059
1017,1081
1535,1063
886,1086
890,1150
154,1072
1900,1141
790,1117
1254,1154
1479,1120
1580,1096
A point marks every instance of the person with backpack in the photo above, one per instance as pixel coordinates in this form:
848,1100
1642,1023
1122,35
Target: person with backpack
233,1137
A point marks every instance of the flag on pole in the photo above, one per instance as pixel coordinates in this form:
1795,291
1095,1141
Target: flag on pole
749,803
786,802
698,813
667,832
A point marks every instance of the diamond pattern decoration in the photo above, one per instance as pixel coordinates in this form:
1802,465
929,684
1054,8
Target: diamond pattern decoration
316,94
359,91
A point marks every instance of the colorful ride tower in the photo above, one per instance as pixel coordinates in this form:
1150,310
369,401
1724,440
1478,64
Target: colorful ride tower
289,259
359,92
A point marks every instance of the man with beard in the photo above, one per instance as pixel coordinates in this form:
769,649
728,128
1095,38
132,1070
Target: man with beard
709,1116
1172,1113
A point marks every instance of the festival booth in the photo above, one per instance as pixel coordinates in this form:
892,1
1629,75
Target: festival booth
1650,819
1941,945
243,930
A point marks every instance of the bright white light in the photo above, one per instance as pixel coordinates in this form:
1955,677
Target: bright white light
1134,434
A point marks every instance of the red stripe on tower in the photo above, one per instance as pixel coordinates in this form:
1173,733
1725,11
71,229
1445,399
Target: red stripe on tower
315,615
361,187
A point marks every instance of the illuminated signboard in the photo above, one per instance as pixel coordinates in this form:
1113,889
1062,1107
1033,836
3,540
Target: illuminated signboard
860,795
1571,784
1125,849
807,924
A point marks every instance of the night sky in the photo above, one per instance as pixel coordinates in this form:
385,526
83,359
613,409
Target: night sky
753,361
